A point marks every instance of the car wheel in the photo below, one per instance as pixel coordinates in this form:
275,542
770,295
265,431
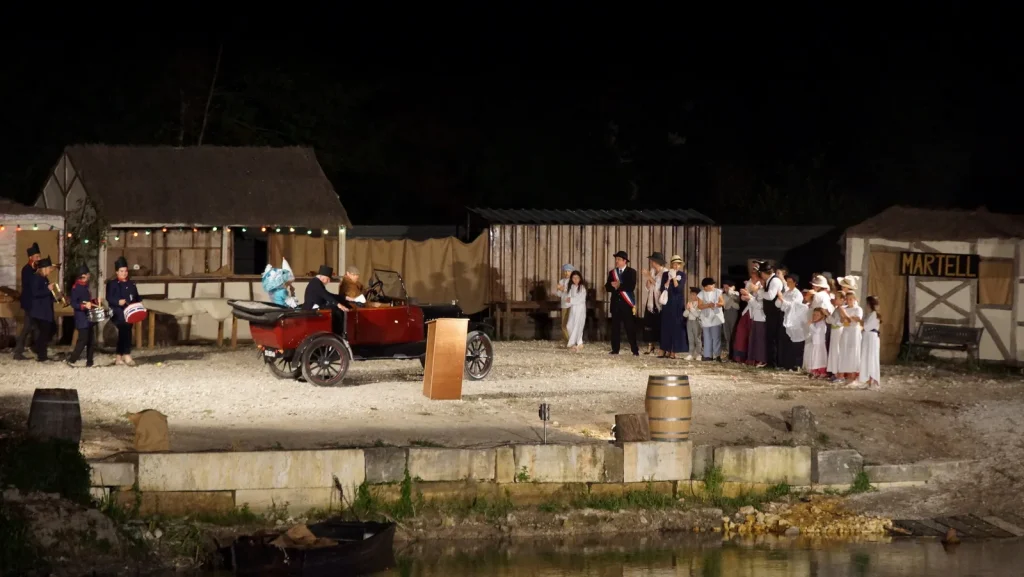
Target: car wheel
479,356
283,368
325,361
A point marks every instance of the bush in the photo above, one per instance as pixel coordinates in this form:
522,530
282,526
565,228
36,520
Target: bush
17,552
50,466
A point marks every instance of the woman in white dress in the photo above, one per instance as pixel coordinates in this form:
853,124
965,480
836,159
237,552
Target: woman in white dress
870,371
577,300
849,341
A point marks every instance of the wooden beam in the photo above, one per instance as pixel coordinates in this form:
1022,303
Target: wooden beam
152,328
943,299
941,321
995,338
234,332
922,247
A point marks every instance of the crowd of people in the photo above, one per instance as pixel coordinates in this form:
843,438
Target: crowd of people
768,321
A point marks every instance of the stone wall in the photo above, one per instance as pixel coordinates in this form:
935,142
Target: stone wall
182,483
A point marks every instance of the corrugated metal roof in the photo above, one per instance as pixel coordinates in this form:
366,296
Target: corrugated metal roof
605,217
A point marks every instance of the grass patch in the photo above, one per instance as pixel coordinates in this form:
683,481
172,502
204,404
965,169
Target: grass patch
48,466
424,443
861,484
714,485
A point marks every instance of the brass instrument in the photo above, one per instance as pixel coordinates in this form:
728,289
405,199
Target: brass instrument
58,294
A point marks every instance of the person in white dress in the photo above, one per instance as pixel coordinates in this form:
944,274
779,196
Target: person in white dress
849,341
816,359
870,371
576,297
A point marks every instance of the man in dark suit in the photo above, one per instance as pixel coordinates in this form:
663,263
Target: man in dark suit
621,286
317,294
27,281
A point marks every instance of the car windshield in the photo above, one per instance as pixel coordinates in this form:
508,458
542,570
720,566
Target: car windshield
392,281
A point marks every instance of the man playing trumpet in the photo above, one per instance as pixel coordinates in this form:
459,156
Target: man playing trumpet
41,307
28,272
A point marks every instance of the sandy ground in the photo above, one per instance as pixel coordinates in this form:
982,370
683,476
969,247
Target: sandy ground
221,399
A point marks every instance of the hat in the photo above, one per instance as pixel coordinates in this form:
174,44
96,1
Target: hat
285,265
658,258
33,250
325,271
43,263
676,258
827,275
568,268
848,282
121,262
706,281
622,254
819,282
82,270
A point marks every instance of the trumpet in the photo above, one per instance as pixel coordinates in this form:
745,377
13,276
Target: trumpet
58,294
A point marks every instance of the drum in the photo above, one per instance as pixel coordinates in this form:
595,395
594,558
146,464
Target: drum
98,315
134,313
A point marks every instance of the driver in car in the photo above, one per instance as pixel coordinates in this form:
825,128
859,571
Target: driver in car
351,288
317,294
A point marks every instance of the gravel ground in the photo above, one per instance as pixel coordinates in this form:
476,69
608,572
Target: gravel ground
220,399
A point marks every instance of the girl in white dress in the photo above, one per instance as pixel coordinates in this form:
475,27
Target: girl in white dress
577,300
849,341
817,354
835,326
870,372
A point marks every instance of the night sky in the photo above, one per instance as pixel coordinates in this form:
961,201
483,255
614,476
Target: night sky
801,118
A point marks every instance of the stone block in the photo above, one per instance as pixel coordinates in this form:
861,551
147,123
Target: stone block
289,501
504,465
251,470
99,494
770,464
531,494
385,464
614,463
112,474
898,473
178,503
667,488
695,489
452,464
657,461
456,490
561,463
703,459
837,467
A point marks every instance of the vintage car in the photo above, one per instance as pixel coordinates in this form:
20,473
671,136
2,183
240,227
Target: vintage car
320,344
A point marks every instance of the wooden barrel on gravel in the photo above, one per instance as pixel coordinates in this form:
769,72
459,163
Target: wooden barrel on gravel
55,414
668,407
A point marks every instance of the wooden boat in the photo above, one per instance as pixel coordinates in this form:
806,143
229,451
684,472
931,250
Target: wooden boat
361,549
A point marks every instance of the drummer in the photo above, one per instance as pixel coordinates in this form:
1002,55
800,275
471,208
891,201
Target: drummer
121,292
81,303
27,272
41,309
317,295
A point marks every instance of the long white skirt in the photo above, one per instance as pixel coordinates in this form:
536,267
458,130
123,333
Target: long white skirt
869,358
849,349
816,355
577,318
832,365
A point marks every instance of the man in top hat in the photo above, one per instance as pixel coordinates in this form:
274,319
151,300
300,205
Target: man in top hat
621,285
28,324
41,308
317,294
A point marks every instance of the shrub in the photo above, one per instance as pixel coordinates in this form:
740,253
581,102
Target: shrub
48,466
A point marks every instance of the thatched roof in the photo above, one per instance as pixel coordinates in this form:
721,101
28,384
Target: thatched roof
9,207
902,223
208,185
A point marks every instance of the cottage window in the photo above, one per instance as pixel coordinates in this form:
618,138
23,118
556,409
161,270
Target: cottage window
995,282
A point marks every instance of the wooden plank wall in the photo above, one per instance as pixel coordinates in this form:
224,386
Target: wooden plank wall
172,253
525,260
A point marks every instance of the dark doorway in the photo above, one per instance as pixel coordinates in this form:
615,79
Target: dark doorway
250,251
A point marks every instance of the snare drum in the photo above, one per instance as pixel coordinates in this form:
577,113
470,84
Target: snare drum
134,313
98,315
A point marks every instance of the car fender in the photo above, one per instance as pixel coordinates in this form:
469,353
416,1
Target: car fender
482,327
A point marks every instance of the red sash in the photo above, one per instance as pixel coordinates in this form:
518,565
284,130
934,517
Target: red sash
625,295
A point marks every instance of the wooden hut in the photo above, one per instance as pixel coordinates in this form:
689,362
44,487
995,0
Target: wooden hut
529,247
201,222
943,267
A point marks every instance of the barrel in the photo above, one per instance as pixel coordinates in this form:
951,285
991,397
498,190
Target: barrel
55,414
668,407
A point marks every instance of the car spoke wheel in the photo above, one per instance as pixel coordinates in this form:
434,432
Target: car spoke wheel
325,361
479,356
283,368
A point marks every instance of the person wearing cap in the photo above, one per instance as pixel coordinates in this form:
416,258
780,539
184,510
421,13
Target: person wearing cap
121,292
563,295
81,303
317,295
28,324
652,312
621,285
41,308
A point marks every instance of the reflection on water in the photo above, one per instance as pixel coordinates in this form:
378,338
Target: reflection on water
660,557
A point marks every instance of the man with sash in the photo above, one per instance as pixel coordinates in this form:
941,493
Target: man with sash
621,285
28,273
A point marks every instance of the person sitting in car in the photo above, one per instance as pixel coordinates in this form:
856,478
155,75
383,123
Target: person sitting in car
351,288
317,295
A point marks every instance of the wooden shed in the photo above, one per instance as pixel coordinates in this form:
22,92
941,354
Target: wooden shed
946,267
528,248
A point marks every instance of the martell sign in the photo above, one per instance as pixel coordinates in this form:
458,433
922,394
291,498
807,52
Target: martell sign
939,265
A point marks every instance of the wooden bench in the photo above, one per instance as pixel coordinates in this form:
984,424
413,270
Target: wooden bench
947,338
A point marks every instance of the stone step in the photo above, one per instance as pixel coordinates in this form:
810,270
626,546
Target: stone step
1005,526
990,527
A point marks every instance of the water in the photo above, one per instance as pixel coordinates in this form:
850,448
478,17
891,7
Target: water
682,556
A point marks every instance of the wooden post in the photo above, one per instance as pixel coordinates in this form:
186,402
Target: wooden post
152,329
234,332
220,333
633,428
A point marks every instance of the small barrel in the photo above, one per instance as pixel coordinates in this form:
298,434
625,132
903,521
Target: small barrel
668,407
55,414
